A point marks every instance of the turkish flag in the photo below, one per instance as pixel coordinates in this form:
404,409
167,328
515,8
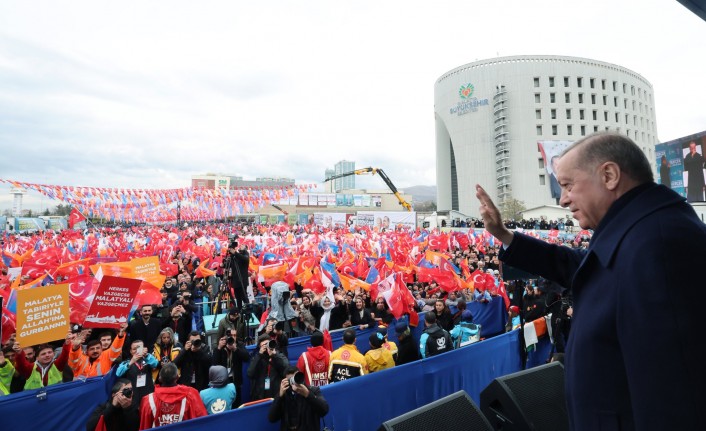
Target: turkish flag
75,217
147,294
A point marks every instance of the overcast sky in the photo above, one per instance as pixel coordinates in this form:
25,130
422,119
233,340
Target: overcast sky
144,94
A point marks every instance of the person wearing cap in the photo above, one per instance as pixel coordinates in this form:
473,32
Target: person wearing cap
378,358
513,318
234,320
220,394
346,361
465,331
408,350
297,406
314,363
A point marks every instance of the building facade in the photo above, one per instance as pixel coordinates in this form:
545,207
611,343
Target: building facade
492,114
220,181
344,183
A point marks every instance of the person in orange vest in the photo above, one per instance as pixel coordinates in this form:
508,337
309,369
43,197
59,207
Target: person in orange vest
315,361
96,361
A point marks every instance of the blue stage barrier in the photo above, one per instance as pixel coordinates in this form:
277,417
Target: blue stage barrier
357,404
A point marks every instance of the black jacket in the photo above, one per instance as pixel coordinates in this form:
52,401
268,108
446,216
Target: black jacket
309,409
197,362
407,350
258,371
115,418
237,357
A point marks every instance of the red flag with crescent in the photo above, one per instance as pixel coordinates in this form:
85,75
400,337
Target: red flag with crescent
75,217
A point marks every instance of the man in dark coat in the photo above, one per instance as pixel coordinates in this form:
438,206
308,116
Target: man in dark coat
638,290
297,406
238,261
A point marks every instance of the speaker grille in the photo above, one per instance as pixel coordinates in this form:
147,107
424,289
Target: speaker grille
454,412
540,406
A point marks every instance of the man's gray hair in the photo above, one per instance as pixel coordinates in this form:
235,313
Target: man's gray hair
604,147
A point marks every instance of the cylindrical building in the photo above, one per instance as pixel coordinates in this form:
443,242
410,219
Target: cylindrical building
491,114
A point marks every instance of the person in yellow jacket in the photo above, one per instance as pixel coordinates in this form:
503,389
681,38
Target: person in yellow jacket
96,361
378,357
165,350
346,361
6,372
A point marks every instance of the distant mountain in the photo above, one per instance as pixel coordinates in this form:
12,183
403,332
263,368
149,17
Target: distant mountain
421,193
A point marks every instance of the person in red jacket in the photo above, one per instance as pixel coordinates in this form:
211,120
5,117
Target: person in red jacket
170,403
315,361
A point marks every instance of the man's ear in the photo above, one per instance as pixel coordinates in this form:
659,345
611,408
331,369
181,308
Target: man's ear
610,175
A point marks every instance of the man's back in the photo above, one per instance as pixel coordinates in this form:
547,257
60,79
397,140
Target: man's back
172,404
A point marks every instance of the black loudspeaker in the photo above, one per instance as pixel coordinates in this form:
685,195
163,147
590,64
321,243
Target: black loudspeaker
453,412
529,400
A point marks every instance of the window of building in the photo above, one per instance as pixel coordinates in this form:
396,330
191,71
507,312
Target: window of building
538,114
554,130
595,115
552,97
579,82
542,180
627,119
634,120
539,130
627,133
615,85
540,162
567,97
617,117
592,82
551,81
580,97
625,103
639,93
569,129
633,105
568,114
583,130
595,128
605,115
536,81
566,81
625,88
537,99
553,114
605,100
615,101
581,114
632,90
593,99
602,84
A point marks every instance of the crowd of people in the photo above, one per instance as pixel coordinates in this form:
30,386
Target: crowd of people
162,356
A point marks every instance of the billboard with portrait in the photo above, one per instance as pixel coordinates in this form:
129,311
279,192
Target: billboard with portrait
387,220
680,166
330,220
550,153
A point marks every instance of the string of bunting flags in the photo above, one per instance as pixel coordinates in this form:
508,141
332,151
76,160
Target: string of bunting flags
157,205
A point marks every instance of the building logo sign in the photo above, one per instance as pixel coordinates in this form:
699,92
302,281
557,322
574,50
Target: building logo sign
466,91
468,103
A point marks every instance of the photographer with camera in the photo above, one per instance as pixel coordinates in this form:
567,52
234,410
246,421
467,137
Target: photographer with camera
179,319
231,353
194,361
297,406
235,270
119,413
138,370
266,369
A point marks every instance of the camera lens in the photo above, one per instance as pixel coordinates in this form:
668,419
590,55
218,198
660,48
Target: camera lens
230,340
127,392
297,378
196,343
272,345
